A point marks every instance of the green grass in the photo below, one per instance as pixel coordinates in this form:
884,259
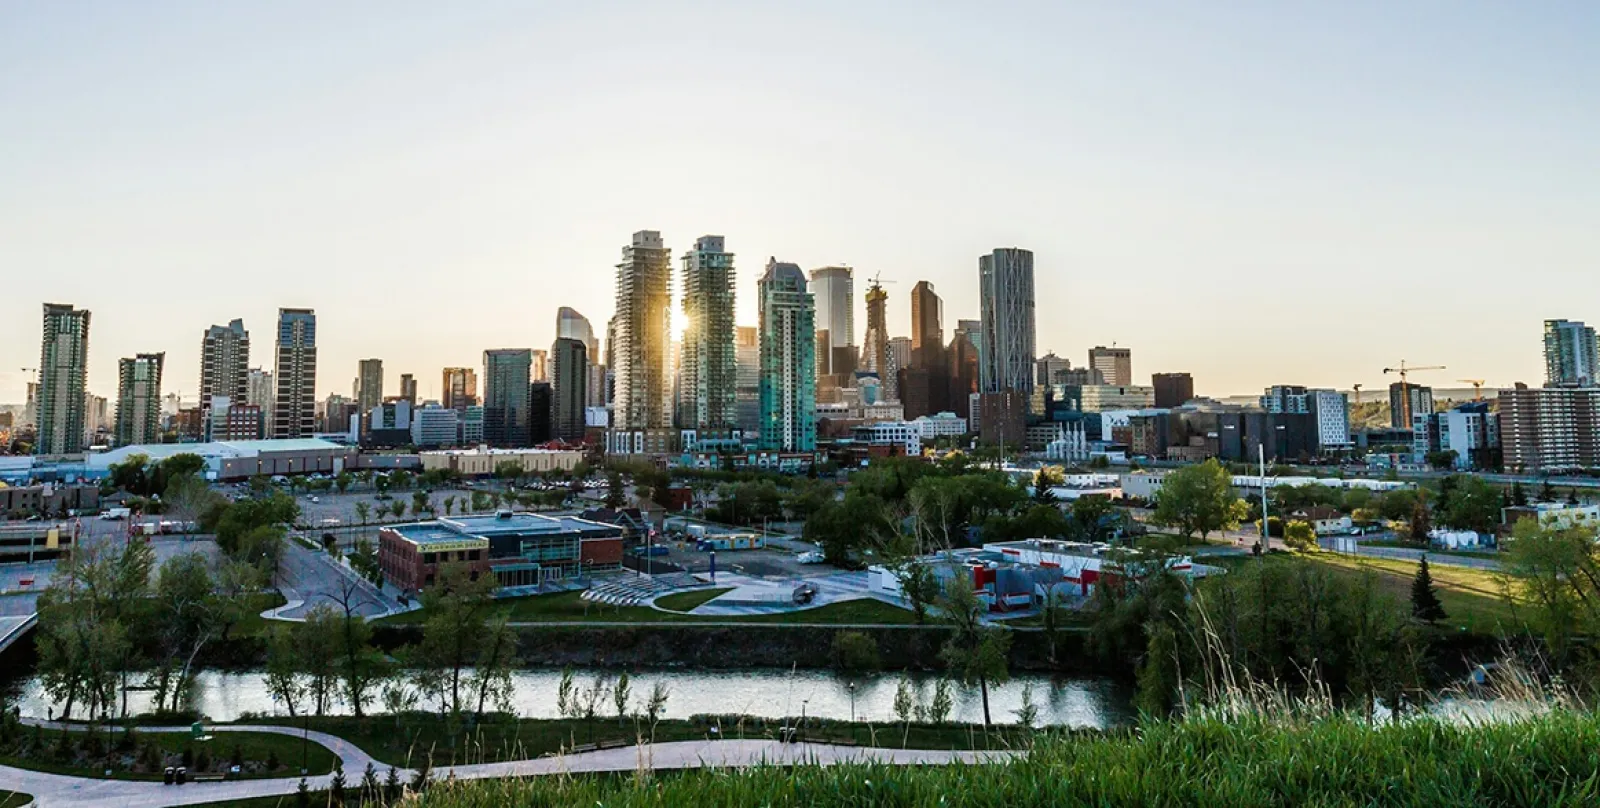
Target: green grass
14,799
255,624
407,740
687,601
253,746
1547,761
570,607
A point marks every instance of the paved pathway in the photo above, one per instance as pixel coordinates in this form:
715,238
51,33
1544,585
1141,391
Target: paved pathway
60,790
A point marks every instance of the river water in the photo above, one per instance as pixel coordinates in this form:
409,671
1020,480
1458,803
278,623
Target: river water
1072,702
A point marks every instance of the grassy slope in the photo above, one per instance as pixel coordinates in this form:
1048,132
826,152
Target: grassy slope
1546,762
688,601
253,745
570,607
14,799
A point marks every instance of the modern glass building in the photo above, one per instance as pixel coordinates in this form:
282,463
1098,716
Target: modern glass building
788,360
1570,351
63,371
707,369
294,412
139,399
506,376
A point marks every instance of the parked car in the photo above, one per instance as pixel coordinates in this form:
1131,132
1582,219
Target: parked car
809,557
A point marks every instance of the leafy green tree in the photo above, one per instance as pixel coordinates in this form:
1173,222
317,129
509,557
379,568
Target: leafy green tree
132,475
1547,492
457,608
848,528
976,651
363,511
285,677
343,481
1519,495
855,652
1474,504
1092,515
616,493
419,503
1554,577
1425,603
1300,536
1199,499
317,643
1421,518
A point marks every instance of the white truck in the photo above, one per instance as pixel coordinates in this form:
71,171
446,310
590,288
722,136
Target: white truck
116,514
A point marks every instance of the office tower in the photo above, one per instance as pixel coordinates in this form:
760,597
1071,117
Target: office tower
539,370
833,288
1048,368
294,411
747,389
875,355
408,388
708,365
541,413
459,389
505,396
369,385
1406,402
899,352
1115,364
963,368
1570,353
788,360
63,368
224,365
139,399
570,378
263,393
643,388
30,410
1005,299
95,412
1172,389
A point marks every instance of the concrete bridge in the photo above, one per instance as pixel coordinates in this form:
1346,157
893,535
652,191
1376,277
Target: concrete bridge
14,627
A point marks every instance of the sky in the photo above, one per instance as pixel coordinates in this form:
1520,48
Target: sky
1255,192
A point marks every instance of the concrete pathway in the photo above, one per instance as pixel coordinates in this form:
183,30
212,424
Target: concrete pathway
60,790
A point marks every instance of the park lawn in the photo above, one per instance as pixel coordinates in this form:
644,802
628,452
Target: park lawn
14,799
688,601
570,607
1405,545
407,740
252,746
1472,598
255,624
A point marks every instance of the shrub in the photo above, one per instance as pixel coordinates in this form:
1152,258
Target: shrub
855,652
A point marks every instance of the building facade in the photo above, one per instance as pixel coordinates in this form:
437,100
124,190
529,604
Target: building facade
506,375
369,384
1550,429
572,325
640,349
433,426
294,409
1114,364
1005,298
408,388
224,366
833,289
1570,351
747,373
1172,389
709,365
1407,400
63,372
459,389
139,399
570,380
1101,397
788,360
876,357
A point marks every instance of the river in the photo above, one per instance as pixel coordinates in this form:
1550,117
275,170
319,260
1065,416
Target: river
1071,702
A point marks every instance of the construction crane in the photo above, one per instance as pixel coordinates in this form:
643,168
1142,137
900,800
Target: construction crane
1405,388
1477,387
1357,388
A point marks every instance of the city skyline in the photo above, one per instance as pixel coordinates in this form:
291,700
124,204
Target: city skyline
1214,167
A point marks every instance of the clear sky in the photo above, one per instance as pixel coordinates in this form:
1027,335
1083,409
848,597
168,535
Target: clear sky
1256,192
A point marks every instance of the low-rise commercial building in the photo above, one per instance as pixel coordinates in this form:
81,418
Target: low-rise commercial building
519,549
482,461
941,425
1101,397
904,434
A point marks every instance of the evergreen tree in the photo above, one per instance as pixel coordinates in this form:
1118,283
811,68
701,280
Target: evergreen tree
1425,603
1519,497
1547,492
336,787
1420,521
302,795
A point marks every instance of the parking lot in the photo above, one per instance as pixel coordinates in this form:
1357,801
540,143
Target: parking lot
779,559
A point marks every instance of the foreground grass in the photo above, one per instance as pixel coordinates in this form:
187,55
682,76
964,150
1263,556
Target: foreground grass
1548,761
407,740
14,799
688,601
570,607
258,747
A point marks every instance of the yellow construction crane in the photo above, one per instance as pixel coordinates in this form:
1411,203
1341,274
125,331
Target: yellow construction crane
1405,388
1477,387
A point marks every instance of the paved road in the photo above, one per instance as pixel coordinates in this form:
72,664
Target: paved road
313,578
82,792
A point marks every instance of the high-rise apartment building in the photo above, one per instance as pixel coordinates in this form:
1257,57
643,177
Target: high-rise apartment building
788,360
294,412
139,399
875,355
570,379
224,365
1115,364
1549,429
1005,298
833,289
1407,401
506,376
459,389
643,388
369,385
747,372
96,417
1329,411
63,370
708,364
1172,389
408,388
1570,351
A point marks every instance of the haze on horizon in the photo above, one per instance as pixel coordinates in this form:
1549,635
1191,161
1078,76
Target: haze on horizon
1254,192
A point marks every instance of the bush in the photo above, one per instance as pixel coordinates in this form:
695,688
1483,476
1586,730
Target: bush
855,652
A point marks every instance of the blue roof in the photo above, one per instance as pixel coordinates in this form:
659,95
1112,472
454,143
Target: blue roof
483,527
424,533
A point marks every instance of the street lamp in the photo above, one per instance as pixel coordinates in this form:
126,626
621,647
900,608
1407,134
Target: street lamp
852,688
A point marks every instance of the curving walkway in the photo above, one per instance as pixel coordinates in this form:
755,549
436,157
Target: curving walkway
61,790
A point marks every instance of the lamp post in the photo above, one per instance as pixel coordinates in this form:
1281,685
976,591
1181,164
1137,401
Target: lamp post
852,688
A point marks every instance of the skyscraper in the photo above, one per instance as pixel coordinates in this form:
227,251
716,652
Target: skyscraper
1114,364
294,413
139,399
570,378
506,375
788,360
459,389
1570,351
408,388
1172,389
833,289
1408,401
63,368
875,356
369,385
643,389
541,413
708,366
963,367
572,325
747,391
224,366
540,371
1005,298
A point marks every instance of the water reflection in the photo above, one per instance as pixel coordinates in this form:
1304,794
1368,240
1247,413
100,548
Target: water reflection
1072,702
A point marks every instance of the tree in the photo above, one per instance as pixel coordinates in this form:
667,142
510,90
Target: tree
616,491
343,480
1199,499
1443,460
1554,573
1300,536
976,651
456,606
317,654
1421,519
187,497
398,508
905,707
1519,495
1474,504
1028,712
1425,603
285,681
361,666
855,652
131,475
655,707
941,705
1547,492
419,503
621,693
363,511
